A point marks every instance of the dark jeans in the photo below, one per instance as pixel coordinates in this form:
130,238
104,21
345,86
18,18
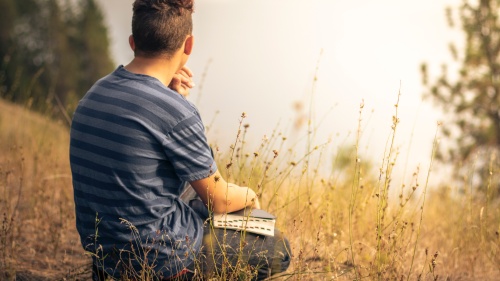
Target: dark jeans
233,254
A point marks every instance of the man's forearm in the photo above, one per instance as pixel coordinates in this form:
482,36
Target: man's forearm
221,196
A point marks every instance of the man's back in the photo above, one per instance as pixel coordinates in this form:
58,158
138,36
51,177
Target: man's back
133,144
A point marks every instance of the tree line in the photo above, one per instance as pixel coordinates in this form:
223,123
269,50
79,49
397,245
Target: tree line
51,52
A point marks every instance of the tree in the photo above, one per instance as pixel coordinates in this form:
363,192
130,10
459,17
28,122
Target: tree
88,41
472,99
93,44
7,22
51,54
17,48
60,59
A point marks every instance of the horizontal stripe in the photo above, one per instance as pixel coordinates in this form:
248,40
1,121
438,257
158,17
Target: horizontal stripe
164,104
133,128
136,182
103,154
145,201
125,139
135,215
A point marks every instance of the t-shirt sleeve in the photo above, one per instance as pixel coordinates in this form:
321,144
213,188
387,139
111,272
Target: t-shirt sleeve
187,148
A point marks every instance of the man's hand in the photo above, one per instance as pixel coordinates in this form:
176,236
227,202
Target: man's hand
182,81
250,195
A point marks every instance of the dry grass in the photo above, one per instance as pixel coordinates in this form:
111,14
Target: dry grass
345,218
38,222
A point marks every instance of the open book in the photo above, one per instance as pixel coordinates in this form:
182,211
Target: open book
249,220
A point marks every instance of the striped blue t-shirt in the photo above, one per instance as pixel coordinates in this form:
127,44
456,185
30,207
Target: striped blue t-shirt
134,143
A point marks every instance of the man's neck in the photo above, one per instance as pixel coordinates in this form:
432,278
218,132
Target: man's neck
160,68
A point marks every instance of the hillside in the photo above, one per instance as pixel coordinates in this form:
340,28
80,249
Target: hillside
340,226
38,236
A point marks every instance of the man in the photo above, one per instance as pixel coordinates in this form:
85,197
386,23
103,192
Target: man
135,142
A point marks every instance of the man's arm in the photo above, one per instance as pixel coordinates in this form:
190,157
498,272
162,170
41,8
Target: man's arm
221,196
217,194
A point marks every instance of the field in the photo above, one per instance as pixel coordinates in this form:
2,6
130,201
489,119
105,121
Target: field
348,223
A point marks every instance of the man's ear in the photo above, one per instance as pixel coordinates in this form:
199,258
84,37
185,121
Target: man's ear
188,45
131,42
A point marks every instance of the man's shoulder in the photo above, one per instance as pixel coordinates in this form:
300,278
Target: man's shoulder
146,99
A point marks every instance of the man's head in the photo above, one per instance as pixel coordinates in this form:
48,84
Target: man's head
160,27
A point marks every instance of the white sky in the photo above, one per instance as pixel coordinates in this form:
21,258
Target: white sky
264,54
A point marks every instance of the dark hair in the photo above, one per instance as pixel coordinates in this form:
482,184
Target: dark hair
159,27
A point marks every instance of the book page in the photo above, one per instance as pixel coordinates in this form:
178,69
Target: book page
249,224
